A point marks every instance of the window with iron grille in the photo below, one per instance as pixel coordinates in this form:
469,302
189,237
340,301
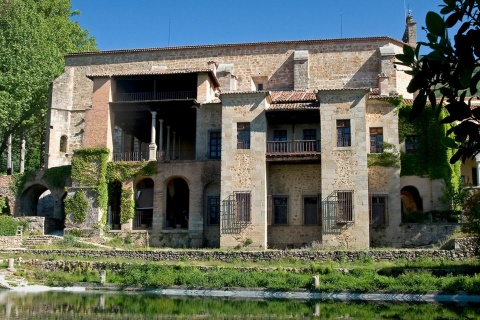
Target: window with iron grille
411,143
378,209
344,206
213,211
215,145
243,135
280,210
344,138
376,140
310,210
242,201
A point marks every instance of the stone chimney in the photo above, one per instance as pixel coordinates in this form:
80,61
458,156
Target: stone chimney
410,35
212,65
225,76
301,75
382,80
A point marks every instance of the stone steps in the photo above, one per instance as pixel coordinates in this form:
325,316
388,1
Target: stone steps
38,240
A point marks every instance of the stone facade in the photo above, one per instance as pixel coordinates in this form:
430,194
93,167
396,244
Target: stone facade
255,144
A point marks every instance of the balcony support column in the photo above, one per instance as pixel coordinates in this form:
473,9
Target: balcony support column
167,153
173,149
160,139
152,148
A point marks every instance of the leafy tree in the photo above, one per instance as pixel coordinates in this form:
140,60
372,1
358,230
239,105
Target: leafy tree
450,71
34,37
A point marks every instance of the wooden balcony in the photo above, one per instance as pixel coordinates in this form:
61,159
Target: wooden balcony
154,96
297,150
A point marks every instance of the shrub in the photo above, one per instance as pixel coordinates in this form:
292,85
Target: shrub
471,212
77,206
8,226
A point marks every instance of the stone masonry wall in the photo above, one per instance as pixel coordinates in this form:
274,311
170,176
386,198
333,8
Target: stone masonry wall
6,192
244,170
345,168
294,181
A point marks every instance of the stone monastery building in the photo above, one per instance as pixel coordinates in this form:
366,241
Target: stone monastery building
260,144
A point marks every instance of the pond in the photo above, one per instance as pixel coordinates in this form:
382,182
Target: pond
114,305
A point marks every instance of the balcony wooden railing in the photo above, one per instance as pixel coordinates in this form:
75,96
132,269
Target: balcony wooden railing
130,156
292,147
154,96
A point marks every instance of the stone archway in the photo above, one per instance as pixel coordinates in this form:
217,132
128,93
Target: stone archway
38,201
411,200
178,197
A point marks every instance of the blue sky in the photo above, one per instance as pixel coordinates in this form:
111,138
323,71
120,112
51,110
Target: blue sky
126,24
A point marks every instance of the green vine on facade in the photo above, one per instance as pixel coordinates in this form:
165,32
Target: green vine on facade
89,168
127,206
56,177
124,171
430,158
388,158
77,206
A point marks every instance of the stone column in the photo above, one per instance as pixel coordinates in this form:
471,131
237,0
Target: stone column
22,155
167,154
173,149
160,135
152,148
9,155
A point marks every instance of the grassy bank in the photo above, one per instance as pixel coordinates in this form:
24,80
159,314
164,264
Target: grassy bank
418,276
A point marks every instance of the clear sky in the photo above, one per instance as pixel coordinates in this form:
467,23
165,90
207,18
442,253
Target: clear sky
126,24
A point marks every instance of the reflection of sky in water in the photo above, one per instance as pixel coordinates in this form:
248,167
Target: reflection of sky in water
113,305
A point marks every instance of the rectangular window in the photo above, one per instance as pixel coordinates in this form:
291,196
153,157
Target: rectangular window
309,134
310,210
344,206
474,177
309,140
215,145
411,143
376,140
280,210
242,201
213,211
243,135
279,135
378,209
259,86
344,138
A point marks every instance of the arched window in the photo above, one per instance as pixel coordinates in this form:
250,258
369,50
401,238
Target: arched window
63,143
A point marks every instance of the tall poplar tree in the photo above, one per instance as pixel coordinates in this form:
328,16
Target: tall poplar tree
34,37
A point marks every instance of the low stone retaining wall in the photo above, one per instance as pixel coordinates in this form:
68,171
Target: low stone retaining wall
464,248
10,242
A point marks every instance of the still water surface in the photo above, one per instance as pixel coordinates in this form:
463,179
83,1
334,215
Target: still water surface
96,305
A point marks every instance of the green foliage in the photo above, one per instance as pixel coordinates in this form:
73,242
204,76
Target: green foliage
77,206
34,37
3,205
451,70
19,180
57,176
127,206
471,213
388,158
430,159
8,225
454,196
89,169
124,171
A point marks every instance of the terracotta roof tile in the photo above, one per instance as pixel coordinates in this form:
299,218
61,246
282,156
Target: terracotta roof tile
294,106
156,72
292,96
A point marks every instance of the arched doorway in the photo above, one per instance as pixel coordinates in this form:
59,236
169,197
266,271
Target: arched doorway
37,200
114,202
144,204
411,200
177,204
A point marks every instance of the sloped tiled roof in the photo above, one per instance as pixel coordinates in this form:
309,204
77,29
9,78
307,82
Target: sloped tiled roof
156,72
293,106
292,96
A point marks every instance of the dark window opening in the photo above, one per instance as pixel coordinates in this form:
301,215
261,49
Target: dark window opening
280,210
213,211
376,140
215,145
63,144
280,135
378,209
343,133
411,144
345,206
243,206
309,134
310,210
474,177
243,135
259,86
